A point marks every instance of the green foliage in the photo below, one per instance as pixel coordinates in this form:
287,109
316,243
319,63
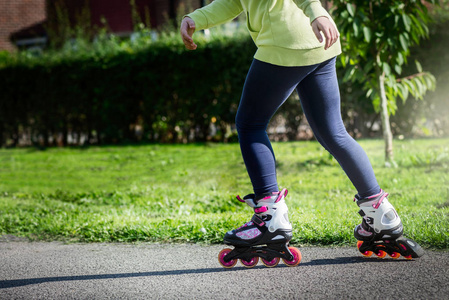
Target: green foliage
435,157
185,193
377,37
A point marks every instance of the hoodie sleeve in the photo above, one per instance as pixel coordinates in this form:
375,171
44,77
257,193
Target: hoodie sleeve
312,9
216,13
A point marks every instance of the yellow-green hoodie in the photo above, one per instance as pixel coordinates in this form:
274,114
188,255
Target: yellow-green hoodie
280,29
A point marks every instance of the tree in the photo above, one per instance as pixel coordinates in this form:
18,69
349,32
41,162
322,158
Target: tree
377,37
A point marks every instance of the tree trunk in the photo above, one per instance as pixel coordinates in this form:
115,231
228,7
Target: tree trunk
385,118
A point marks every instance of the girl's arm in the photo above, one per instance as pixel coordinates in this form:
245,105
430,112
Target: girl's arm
216,13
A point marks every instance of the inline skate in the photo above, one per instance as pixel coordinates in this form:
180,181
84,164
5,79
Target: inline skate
381,230
267,235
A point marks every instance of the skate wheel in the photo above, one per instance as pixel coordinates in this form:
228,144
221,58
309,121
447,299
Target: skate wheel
395,255
250,264
296,257
365,253
221,256
408,257
381,254
271,263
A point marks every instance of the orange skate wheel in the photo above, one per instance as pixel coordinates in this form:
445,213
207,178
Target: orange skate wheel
366,253
395,255
381,254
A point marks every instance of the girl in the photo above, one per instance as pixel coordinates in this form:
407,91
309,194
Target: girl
297,44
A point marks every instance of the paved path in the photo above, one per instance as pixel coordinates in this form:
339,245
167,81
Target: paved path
151,271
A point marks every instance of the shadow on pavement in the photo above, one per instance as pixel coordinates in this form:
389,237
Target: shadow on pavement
317,262
22,282
350,260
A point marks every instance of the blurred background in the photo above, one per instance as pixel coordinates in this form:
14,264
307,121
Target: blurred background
83,72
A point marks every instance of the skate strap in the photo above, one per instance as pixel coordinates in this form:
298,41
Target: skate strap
382,197
259,210
282,194
249,196
378,198
258,221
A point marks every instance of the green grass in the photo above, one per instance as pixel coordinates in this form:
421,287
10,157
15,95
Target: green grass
186,193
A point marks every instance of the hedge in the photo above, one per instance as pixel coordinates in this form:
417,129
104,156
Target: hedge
160,93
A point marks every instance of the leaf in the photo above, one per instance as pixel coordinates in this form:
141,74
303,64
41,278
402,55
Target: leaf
400,59
430,81
396,20
356,29
367,34
343,60
404,41
386,69
407,22
420,87
392,107
351,9
410,87
402,91
399,92
349,74
344,15
418,66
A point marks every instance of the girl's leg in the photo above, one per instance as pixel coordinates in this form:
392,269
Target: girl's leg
320,100
266,87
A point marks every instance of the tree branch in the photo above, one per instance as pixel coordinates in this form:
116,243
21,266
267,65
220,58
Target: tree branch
411,76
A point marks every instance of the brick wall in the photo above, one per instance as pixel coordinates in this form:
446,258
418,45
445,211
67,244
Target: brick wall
16,15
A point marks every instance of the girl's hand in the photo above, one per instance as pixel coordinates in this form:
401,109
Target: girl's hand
187,29
324,25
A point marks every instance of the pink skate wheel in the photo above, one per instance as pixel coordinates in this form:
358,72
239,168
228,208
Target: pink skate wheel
221,256
296,257
250,264
271,263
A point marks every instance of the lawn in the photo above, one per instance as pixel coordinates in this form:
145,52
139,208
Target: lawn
186,193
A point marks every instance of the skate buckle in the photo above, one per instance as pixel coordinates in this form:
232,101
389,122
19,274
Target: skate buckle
258,221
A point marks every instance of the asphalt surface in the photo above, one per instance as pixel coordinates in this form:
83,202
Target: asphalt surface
53,270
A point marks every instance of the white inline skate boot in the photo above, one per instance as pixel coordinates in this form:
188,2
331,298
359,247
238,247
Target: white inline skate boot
267,235
381,230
